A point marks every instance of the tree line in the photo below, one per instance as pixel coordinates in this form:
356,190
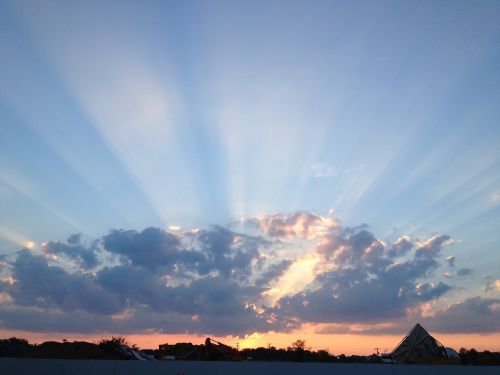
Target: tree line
298,351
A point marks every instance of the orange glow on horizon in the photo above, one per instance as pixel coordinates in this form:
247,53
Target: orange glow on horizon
336,343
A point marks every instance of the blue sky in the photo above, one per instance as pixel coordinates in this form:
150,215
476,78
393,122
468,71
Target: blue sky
130,115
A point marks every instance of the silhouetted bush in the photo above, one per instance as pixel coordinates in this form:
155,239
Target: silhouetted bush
473,357
14,347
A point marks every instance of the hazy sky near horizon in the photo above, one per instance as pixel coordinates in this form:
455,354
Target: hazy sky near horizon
230,167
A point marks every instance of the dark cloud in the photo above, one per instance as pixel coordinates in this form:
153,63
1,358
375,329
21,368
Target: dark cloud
273,271
205,296
451,261
401,247
39,285
131,285
209,304
473,315
228,252
151,248
215,300
347,299
353,247
137,320
29,318
429,291
432,247
462,272
396,327
75,249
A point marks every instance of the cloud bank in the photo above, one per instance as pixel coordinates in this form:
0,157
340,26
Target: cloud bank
217,281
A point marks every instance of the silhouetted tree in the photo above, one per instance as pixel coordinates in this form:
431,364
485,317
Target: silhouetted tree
115,342
299,345
299,350
323,355
14,347
473,357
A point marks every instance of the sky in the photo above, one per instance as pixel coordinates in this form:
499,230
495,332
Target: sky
254,171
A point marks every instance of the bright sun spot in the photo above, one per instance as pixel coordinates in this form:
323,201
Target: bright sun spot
300,273
29,245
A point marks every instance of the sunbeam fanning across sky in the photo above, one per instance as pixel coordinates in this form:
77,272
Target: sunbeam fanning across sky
250,170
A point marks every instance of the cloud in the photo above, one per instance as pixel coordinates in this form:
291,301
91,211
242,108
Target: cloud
274,271
206,295
451,261
29,318
228,252
366,283
462,272
303,225
75,249
221,306
151,248
217,280
151,280
401,247
394,328
431,248
352,246
473,315
493,286
3,263
38,284
429,291
348,297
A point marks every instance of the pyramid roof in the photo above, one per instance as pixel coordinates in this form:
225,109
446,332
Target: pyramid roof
418,343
